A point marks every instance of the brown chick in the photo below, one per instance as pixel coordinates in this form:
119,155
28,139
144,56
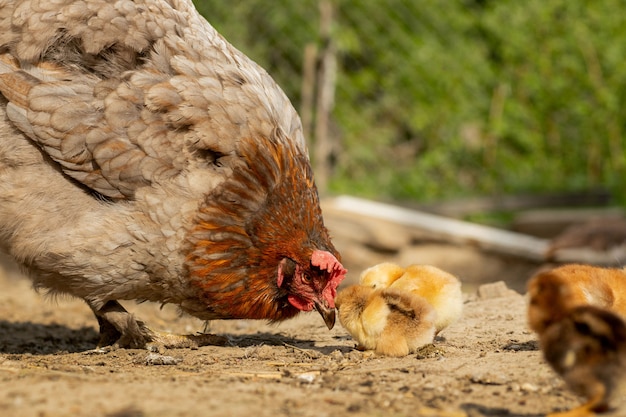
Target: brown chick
143,157
583,284
441,289
390,322
584,344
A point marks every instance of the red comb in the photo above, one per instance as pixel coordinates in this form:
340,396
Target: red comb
326,261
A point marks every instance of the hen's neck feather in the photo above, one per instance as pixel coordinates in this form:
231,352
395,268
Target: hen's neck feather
268,210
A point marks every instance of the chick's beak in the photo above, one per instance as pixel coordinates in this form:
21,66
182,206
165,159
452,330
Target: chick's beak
328,314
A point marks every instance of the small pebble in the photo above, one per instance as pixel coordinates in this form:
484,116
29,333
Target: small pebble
157,359
308,376
494,290
528,387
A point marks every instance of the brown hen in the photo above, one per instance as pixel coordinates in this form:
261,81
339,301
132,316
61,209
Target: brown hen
143,157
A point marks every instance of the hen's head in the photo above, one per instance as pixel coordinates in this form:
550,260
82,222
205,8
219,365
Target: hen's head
313,285
259,248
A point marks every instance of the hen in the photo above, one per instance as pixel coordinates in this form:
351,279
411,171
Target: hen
143,157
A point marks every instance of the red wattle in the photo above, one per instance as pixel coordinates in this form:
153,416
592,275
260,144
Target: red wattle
299,303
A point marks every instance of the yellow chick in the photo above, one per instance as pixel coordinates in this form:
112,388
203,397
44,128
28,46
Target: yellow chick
382,275
389,322
441,289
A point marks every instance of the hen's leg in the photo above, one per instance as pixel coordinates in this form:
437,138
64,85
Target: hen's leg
119,328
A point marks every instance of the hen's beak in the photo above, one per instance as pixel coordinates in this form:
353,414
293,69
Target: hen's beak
328,314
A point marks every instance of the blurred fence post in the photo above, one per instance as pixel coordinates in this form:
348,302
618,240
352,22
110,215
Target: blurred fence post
326,79
307,89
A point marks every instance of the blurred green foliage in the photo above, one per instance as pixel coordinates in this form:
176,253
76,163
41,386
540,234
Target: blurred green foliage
448,99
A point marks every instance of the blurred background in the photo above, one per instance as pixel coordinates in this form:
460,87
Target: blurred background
421,101
501,113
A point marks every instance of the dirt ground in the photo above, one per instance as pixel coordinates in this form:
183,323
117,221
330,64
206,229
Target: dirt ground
487,364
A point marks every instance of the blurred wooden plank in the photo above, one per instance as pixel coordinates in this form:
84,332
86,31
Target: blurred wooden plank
485,237
614,256
548,223
461,208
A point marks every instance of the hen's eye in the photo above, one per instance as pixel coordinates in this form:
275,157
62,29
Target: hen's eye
306,278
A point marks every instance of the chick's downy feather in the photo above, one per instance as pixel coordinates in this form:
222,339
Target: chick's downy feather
440,288
144,157
388,321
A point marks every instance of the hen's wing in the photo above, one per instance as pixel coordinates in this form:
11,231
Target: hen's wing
123,94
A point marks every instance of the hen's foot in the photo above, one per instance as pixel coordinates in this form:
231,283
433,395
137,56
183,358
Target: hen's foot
174,341
120,329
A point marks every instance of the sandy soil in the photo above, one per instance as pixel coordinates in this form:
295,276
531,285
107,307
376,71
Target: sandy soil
487,364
